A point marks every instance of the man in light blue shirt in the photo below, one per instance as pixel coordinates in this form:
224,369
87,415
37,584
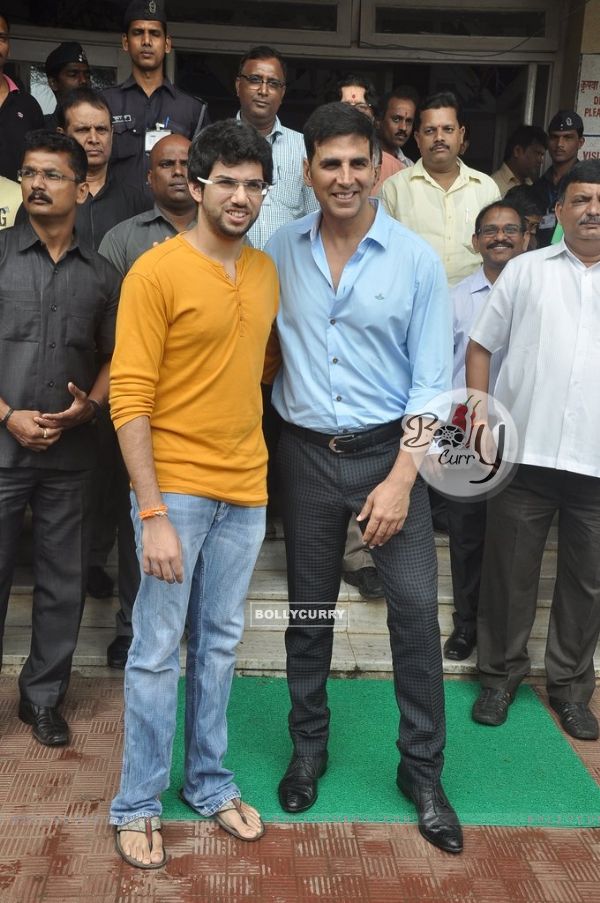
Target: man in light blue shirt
500,234
365,334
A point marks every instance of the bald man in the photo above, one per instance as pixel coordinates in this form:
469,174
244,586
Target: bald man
174,210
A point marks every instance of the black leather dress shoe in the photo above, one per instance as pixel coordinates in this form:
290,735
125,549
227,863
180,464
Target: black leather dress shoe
491,706
47,725
99,584
298,787
576,719
117,652
460,644
438,822
367,581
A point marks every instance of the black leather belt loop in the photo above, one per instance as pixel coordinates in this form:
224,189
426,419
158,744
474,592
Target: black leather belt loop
349,442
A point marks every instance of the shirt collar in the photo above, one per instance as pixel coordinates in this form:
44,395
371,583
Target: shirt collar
379,231
156,215
465,174
277,126
561,248
29,237
479,281
131,83
12,86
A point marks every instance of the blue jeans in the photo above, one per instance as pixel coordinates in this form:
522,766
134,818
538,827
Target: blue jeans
220,545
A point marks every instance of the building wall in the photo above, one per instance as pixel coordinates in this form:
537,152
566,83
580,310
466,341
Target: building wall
590,42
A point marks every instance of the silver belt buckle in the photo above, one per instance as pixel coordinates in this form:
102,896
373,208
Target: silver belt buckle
331,443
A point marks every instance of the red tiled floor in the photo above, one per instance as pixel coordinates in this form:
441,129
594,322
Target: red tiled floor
55,844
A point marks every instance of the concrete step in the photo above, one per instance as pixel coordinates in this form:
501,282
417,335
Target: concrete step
361,639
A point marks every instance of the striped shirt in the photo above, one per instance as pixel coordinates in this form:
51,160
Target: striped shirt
289,198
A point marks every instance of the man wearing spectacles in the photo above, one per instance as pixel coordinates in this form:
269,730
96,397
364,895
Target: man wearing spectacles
58,301
500,234
543,315
260,86
440,196
194,318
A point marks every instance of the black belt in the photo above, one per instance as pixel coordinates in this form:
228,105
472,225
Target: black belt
349,442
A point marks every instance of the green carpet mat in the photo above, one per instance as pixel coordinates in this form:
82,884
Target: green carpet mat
522,773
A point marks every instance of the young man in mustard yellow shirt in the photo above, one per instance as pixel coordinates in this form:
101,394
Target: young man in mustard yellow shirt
194,318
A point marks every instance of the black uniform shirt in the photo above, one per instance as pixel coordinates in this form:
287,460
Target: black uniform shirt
56,319
19,114
134,114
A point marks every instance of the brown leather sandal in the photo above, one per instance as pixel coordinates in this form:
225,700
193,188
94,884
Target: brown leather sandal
236,804
144,825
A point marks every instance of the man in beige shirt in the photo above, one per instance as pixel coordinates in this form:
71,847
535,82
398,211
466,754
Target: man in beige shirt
523,158
440,196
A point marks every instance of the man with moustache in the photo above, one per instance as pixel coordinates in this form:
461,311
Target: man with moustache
364,329
543,317
194,318
440,196
174,211
397,120
500,234
147,103
84,115
58,302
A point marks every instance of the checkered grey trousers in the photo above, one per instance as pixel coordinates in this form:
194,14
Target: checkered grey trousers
319,491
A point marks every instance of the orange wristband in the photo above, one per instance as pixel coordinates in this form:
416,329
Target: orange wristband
158,511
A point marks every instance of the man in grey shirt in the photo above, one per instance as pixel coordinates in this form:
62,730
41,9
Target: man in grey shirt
174,209
58,302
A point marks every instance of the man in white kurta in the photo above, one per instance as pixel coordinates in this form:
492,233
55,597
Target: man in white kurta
544,313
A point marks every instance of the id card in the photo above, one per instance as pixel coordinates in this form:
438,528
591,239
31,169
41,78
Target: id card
154,135
548,221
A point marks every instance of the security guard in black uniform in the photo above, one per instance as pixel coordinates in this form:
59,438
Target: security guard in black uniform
148,106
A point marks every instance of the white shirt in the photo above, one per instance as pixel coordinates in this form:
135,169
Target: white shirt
544,311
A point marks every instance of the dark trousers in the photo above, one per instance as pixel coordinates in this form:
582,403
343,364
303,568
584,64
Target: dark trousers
518,521
320,489
111,517
466,531
60,505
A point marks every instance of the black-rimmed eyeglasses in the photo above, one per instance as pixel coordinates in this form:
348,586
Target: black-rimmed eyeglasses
257,81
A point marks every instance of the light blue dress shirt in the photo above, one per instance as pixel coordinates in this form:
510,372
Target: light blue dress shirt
378,347
468,298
